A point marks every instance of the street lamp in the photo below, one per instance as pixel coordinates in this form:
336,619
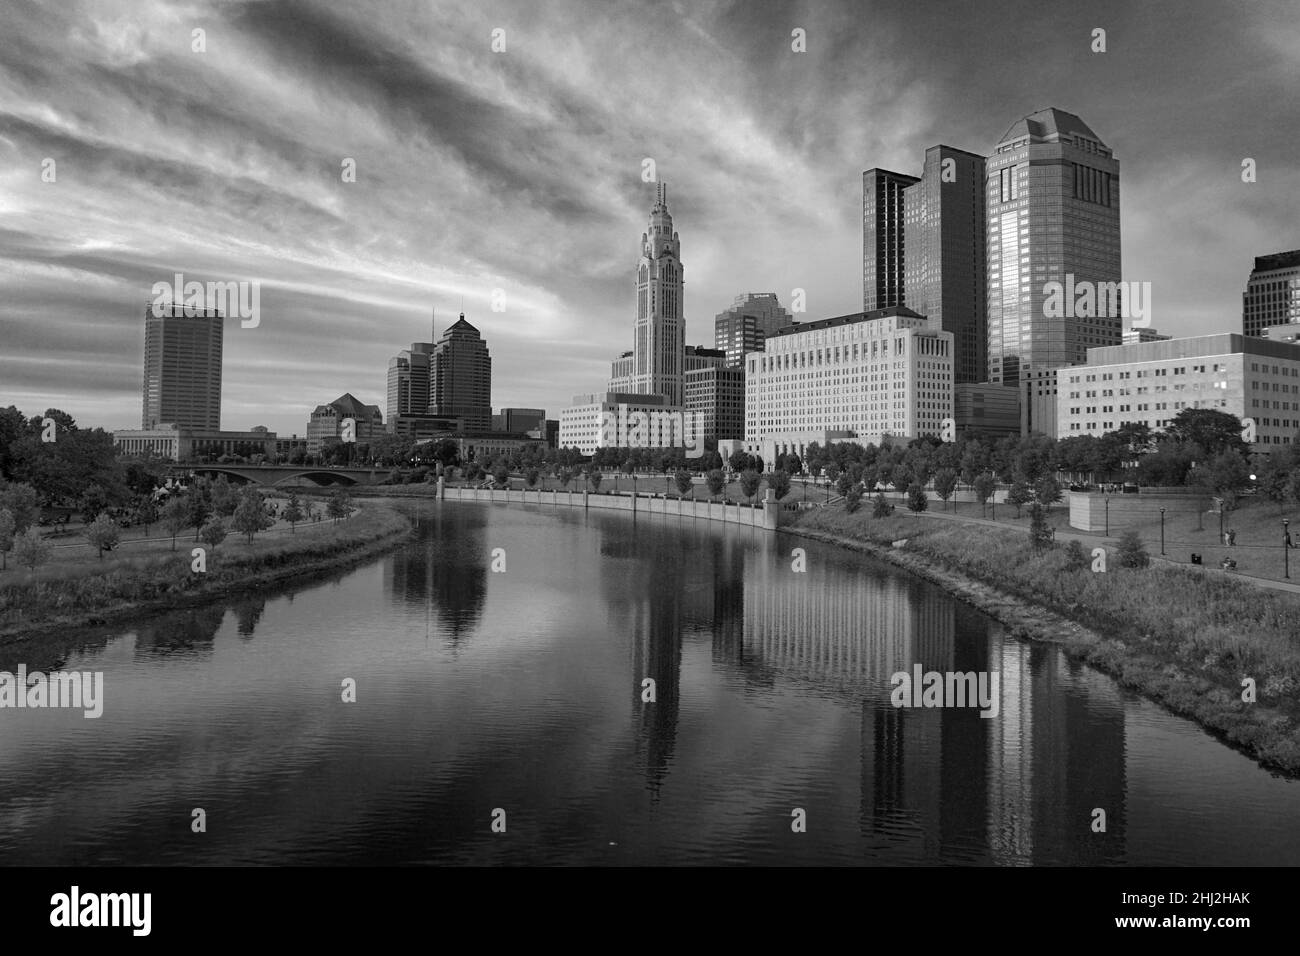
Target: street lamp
1162,532
1286,550
1108,516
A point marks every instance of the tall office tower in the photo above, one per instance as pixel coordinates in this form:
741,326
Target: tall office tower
659,342
1272,295
882,238
747,323
408,381
460,377
944,267
1052,197
182,367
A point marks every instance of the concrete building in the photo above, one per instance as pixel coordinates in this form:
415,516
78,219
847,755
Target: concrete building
883,225
424,427
326,425
1151,382
743,327
864,376
521,420
586,424
993,410
182,368
717,394
1052,202
944,257
460,377
1272,295
178,443
1037,391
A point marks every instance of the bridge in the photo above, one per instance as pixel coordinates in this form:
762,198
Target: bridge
273,476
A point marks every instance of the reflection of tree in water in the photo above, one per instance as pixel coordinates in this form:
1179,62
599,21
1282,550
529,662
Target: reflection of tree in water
449,580
247,613
189,632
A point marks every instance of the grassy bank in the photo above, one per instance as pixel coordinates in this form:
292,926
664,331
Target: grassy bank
1179,636
45,599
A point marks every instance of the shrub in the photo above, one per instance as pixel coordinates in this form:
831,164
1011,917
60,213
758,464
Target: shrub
881,508
916,500
1076,557
853,500
1132,553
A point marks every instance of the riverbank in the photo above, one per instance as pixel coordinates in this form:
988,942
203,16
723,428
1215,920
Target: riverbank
1182,638
32,604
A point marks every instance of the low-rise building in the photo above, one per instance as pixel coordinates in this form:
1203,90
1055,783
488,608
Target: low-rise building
327,423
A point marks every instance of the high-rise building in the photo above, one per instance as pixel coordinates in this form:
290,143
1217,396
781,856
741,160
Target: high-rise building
743,327
659,336
460,377
860,376
944,267
1272,295
182,368
883,229
1052,200
716,395
408,381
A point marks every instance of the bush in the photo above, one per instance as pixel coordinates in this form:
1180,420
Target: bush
1041,533
881,508
853,500
1076,557
916,500
1132,553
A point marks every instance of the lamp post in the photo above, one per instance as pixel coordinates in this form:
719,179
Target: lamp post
1108,516
1162,532
633,484
1286,551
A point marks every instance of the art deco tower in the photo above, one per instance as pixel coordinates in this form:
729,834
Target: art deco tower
659,344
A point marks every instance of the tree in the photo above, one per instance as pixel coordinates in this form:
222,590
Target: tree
224,500
501,474
916,500
1223,476
1132,554
945,483
146,512
293,512
1019,494
779,483
1040,532
716,481
93,503
1076,558
1210,429
175,516
1047,491
200,504
104,534
901,477
853,499
564,476
31,549
6,536
21,501
594,478
881,508
740,461
683,482
250,514
1273,479
531,476
749,482
213,532
984,487
339,506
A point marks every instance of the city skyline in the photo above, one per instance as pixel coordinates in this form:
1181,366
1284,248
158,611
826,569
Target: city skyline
234,156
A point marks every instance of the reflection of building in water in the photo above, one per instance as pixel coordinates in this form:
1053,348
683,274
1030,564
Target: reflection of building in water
831,626
182,632
451,583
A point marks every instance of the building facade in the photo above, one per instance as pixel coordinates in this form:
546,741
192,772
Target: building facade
460,377
883,230
519,420
584,425
743,327
326,425
177,443
659,334
409,381
1272,295
1037,391
182,368
1151,382
1140,334
866,374
1052,203
716,394
992,410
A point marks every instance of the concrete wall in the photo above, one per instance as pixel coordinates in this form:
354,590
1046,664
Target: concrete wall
769,516
1088,511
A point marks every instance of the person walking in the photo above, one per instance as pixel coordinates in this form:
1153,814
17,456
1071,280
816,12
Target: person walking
1232,537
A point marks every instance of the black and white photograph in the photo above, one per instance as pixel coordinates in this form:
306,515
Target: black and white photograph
858,436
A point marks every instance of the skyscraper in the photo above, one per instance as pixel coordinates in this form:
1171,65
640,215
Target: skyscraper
460,377
182,367
1272,295
1052,197
746,324
409,380
944,268
659,339
882,238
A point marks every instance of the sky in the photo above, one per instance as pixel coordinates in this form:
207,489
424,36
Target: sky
521,169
